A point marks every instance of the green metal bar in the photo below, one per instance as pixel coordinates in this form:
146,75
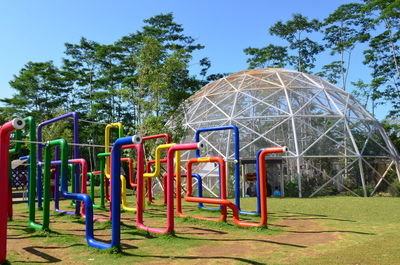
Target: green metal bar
72,174
102,157
46,187
91,179
47,173
91,176
32,173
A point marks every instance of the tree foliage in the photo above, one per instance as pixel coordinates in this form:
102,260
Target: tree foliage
140,79
372,26
295,32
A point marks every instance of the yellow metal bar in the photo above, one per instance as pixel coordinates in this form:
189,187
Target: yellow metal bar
107,149
157,164
123,196
203,159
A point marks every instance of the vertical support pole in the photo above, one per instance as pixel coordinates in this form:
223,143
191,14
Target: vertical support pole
56,180
360,165
396,164
76,155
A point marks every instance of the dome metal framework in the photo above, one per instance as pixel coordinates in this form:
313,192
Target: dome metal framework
332,139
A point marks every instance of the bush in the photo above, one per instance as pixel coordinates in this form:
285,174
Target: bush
291,189
394,189
360,192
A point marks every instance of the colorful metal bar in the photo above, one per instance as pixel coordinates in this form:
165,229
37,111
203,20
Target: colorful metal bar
75,117
236,153
5,132
188,197
107,143
116,182
170,190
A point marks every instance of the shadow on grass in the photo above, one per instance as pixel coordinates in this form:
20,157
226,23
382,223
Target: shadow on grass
169,258
246,239
305,216
39,252
331,231
204,230
35,234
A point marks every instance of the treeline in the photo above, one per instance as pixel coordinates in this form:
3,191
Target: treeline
139,79
142,78
372,26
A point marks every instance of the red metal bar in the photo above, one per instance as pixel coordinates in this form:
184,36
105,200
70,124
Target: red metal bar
170,191
5,132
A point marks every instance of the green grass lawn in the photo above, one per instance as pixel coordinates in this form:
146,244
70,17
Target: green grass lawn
328,230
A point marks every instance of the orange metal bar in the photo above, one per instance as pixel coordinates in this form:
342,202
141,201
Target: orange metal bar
189,197
223,201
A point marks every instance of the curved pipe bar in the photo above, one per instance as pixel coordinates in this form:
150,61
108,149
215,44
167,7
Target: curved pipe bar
5,132
144,139
150,137
130,165
30,121
74,196
74,115
261,171
123,184
262,177
107,142
116,183
104,156
170,190
157,159
17,148
149,185
82,162
236,148
189,197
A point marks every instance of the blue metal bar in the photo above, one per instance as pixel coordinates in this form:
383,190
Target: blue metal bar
79,197
236,147
116,189
74,115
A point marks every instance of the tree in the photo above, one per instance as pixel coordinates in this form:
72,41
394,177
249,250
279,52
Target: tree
268,56
41,89
332,71
343,29
383,55
155,67
293,32
368,94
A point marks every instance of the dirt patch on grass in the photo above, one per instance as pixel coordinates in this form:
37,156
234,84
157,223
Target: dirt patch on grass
220,247
25,250
300,235
305,232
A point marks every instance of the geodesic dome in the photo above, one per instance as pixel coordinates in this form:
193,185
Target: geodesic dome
334,143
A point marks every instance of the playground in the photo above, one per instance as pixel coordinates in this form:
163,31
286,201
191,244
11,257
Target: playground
329,230
151,201
206,199
177,132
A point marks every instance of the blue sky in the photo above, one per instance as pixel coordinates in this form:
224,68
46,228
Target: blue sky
37,30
